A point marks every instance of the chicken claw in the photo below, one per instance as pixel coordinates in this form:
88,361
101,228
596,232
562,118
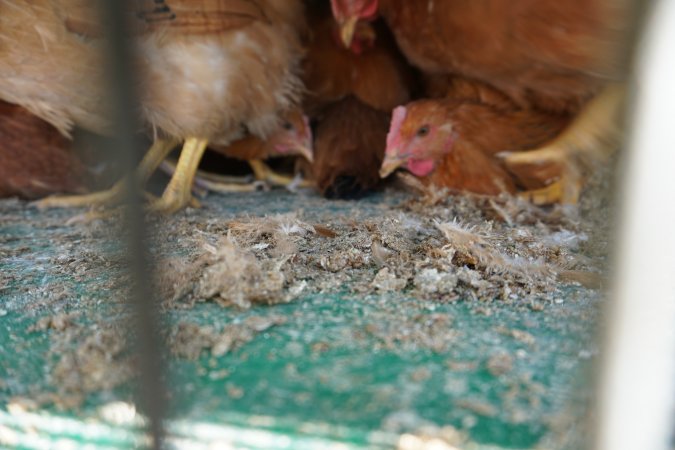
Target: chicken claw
207,181
565,190
589,140
159,150
178,193
264,173
110,196
217,186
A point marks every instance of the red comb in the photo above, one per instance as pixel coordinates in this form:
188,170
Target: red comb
308,128
397,118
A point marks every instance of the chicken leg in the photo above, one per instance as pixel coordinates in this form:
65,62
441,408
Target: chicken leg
152,159
178,192
589,140
263,172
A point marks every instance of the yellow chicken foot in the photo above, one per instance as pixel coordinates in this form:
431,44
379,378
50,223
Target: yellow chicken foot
107,214
565,190
159,150
588,141
178,193
264,173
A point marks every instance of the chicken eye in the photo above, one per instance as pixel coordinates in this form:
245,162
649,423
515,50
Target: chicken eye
287,126
423,131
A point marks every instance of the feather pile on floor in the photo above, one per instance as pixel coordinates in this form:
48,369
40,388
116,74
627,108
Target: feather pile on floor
447,249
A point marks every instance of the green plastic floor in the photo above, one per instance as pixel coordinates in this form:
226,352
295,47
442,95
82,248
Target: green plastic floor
320,379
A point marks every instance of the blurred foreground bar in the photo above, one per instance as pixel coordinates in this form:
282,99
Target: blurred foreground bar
638,378
151,393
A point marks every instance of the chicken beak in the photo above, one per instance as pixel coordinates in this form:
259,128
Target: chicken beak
389,165
347,30
306,152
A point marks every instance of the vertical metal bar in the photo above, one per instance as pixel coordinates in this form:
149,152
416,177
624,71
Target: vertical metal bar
637,383
143,304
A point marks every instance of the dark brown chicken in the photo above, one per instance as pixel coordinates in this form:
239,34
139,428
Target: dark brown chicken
35,159
347,161
351,92
543,55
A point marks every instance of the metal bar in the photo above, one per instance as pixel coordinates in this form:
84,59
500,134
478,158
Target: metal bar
128,149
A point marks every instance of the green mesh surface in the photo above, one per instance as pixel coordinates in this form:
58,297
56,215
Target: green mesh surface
319,379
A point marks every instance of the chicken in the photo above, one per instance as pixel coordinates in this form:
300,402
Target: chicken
543,55
452,142
363,83
294,137
209,72
371,68
214,69
349,145
35,159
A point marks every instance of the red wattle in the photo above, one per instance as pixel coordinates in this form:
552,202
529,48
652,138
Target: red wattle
420,167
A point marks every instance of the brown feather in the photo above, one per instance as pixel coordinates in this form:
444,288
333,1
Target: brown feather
200,16
50,69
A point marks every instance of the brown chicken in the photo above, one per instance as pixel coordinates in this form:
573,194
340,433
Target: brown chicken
350,142
543,55
293,138
452,142
35,159
210,71
351,92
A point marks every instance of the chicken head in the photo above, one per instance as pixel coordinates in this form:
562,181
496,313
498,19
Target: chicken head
294,137
348,13
419,136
